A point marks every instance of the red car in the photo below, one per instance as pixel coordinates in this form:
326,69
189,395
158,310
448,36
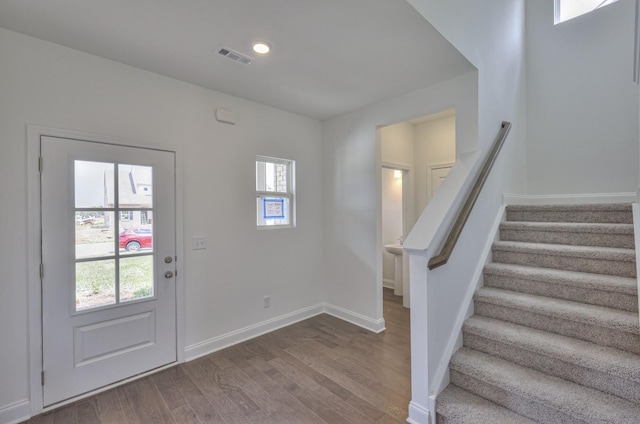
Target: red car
136,238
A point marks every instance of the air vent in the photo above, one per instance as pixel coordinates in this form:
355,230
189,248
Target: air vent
234,55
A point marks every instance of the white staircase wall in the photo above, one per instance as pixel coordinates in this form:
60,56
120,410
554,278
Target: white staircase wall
582,104
438,297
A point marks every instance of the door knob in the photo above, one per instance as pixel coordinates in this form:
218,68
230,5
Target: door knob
168,274
168,260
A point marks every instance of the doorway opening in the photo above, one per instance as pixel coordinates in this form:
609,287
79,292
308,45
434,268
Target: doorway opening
415,157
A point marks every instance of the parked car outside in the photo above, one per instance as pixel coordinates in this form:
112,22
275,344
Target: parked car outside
136,238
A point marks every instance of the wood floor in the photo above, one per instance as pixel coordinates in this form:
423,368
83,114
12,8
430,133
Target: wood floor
322,370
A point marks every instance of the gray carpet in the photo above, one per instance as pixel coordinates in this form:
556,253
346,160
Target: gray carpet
555,337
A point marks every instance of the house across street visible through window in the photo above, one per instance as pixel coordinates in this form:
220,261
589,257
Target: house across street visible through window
275,192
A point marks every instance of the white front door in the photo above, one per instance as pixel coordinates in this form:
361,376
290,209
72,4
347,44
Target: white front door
108,256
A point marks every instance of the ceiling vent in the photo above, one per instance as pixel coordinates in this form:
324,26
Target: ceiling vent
234,55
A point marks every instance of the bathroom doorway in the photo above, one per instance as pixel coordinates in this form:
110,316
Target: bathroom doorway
392,227
415,157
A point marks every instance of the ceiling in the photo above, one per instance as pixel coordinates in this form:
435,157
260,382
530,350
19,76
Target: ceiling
329,57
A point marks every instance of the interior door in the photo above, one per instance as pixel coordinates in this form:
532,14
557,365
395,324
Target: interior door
108,256
436,175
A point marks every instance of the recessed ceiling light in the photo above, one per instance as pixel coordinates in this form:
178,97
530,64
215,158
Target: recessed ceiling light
261,47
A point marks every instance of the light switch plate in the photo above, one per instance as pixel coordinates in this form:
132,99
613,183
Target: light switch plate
199,242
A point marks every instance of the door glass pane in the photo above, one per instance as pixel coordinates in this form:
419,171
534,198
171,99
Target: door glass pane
135,188
134,236
95,284
95,234
93,183
136,277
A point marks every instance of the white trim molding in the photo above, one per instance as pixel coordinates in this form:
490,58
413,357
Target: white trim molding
16,412
418,414
568,199
373,325
224,341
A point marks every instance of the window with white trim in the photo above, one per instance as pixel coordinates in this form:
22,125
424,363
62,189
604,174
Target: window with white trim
569,9
275,203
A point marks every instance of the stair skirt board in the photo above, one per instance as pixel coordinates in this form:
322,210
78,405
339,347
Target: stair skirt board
555,337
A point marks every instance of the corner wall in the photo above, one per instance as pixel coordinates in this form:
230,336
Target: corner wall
45,84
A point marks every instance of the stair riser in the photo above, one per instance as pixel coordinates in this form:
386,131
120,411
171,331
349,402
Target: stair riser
615,217
567,263
595,379
624,241
524,406
583,331
590,296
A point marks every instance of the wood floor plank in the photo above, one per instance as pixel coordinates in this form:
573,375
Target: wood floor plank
202,376
65,415
294,372
318,371
170,393
109,407
142,403
183,414
201,405
292,407
87,411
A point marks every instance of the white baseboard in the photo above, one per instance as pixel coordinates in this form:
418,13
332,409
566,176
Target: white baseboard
373,325
16,412
568,199
418,414
389,284
226,340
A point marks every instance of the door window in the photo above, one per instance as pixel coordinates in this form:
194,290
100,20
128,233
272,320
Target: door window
113,257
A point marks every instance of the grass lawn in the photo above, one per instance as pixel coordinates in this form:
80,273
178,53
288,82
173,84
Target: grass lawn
96,286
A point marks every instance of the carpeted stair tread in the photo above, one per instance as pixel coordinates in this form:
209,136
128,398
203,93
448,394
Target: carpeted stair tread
588,355
598,213
457,406
548,398
595,207
612,283
595,289
588,252
602,260
576,227
600,316
573,233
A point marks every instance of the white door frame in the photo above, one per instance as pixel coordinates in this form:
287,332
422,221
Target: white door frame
34,231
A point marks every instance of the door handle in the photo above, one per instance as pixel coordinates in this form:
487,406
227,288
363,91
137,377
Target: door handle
168,274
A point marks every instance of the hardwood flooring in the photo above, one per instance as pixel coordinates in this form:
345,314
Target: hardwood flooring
321,370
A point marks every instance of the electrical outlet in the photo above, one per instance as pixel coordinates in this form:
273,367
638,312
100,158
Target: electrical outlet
199,242
267,302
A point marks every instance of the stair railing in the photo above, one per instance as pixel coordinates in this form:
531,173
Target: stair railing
464,212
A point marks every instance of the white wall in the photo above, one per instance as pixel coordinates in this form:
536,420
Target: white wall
491,36
582,102
352,174
48,85
391,220
435,143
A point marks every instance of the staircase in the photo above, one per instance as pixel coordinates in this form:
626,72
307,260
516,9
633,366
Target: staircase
555,337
